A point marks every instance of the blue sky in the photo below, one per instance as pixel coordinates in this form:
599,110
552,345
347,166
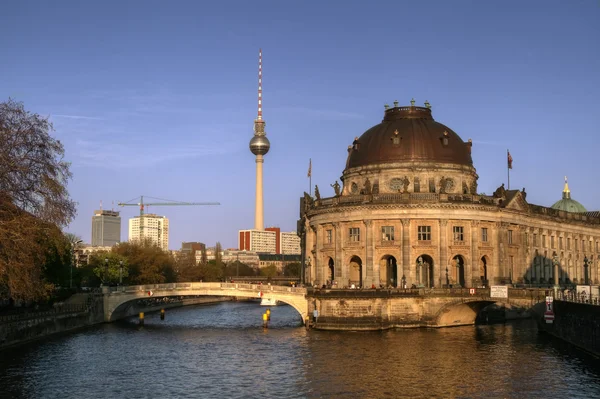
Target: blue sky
158,98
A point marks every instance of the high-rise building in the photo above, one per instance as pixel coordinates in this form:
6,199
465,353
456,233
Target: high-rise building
270,240
290,243
257,241
106,228
259,145
154,228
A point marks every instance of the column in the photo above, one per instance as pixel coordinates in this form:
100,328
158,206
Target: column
368,265
406,263
498,256
340,268
473,277
443,250
315,257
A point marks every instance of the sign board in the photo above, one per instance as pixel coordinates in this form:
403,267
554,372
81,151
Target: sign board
549,299
472,291
498,291
549,317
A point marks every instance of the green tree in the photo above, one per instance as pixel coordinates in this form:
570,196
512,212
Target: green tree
237,268
147,263
187,268
106,266
211,271
269,271
292,269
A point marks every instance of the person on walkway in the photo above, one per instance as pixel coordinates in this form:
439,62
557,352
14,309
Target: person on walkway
315,315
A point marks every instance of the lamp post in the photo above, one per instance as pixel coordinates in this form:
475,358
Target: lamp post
120,272
73,248
403,281
585,268
105,269
555,264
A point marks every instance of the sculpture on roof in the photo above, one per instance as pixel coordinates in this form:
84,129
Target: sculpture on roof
500,192
406,183
317,193
336,188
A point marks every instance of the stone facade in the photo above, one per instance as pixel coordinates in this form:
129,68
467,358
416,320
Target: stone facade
377,239
414,217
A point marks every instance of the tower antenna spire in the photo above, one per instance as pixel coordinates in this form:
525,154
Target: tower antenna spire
259,115
259,146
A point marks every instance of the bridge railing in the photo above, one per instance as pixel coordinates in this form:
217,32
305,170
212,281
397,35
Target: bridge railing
572,296
206,286
481,293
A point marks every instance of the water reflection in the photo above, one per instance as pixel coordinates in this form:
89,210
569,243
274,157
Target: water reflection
221,351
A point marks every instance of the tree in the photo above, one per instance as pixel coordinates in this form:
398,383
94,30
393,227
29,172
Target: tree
292,269
34,201
147,263
238,268
106,266
203,256
269,271
186,267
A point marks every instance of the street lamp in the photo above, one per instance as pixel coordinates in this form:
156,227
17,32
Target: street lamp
403,281
555,264
121,272
73,248
105,269
585,266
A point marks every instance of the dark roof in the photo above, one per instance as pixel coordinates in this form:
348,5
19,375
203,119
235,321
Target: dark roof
420,139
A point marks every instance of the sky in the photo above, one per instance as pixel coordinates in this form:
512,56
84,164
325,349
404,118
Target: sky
158,98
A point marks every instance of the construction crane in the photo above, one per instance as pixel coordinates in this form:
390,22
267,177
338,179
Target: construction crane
141,204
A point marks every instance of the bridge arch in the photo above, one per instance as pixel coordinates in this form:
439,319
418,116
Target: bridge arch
117,299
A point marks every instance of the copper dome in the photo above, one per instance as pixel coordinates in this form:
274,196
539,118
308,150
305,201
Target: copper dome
409,134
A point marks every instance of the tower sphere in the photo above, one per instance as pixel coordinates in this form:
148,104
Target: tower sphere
259,145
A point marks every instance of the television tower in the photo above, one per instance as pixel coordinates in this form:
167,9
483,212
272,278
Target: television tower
259,145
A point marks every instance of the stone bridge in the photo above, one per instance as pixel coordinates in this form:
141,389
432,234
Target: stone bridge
116,298
339,309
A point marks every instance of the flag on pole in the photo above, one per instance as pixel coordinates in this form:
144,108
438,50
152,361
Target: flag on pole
509,159
309,167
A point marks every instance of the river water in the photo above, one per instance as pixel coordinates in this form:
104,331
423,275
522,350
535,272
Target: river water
221,351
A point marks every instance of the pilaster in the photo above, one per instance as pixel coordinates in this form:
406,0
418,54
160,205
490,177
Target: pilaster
369,250
473,277
443,251
339,267
406,266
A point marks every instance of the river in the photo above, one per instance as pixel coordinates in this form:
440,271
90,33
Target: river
221,351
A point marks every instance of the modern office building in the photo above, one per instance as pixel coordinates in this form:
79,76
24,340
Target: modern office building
270,240
150,227
106,228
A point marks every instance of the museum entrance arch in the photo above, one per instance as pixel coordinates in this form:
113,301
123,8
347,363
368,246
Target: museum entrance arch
424,271
458,273
388,271
355,267
483,270
331,271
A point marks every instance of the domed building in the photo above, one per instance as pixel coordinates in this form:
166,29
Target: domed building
568,204
408,213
